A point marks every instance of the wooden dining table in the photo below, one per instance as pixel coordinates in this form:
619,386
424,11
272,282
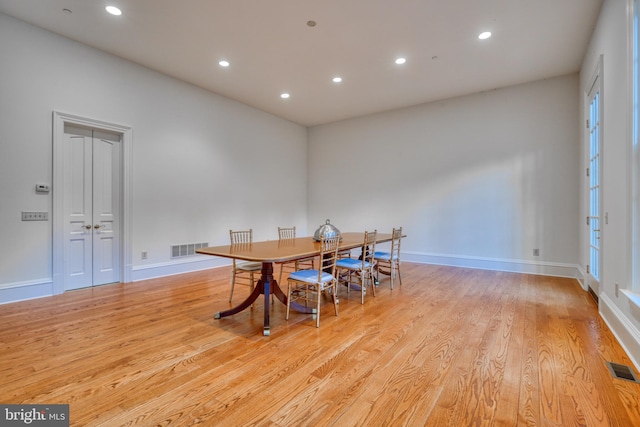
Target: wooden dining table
278,251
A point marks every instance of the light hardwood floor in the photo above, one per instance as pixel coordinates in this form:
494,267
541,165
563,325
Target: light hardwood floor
450,347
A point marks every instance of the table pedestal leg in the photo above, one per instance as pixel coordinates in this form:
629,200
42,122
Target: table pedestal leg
266,286
243,305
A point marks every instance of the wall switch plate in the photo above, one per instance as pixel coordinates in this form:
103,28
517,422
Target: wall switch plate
35,216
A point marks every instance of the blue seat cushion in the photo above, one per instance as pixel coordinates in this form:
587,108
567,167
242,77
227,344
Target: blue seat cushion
310,276
384,256
352,264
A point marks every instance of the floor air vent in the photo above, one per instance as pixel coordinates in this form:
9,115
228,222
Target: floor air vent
622,372
188,249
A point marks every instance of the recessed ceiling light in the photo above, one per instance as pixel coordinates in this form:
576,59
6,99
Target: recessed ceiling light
113,10
284,95
484,35
337,79
401,60
224,63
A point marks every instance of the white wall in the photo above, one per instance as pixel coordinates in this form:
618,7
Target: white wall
479,180
609,40
202,164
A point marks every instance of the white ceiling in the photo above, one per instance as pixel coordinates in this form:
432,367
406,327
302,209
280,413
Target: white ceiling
273,50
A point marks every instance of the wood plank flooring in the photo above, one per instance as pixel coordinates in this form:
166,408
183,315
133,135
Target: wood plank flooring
450,347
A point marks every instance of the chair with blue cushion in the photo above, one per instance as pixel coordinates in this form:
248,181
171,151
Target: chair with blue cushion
353,271
309,285
243,273
389,262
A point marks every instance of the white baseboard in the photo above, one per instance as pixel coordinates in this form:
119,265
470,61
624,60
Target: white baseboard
22,291
625,332
185,265
498,264
581,277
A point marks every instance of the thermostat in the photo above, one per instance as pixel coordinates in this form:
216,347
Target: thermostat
42,188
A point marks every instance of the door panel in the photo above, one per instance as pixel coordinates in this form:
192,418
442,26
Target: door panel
78,260
77,182
106,198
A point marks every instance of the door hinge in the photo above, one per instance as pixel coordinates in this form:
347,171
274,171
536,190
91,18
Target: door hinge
588,221
588,269
587,123
587,171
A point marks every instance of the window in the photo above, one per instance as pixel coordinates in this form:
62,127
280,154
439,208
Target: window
594,180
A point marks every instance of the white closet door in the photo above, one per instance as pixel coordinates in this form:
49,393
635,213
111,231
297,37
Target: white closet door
92,207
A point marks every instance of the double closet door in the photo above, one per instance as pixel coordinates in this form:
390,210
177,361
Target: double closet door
92,207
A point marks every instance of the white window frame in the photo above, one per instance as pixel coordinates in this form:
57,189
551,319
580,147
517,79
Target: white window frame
634,145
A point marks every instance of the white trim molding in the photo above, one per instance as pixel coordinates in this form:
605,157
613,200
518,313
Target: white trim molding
171,268
634,297
625,332
22,291
498,264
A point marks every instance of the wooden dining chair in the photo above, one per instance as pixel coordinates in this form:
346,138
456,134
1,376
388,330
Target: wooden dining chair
308,286
360,271
286,236
389,262
243,273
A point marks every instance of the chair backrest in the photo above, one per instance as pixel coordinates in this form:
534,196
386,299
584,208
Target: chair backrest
241,236
286,233
328,255
369,245
240,239
395,243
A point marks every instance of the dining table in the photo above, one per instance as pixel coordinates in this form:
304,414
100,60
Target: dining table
269,252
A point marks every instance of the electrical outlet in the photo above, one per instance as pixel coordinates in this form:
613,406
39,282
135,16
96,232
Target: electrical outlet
536,252
143,255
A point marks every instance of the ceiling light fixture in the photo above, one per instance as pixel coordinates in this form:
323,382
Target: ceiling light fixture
113,10
401,61
484,35
284,95
224,63
337,79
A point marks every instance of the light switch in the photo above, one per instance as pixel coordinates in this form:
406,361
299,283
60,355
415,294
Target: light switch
35,216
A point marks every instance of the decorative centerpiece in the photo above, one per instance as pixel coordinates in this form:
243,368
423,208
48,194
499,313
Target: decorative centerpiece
327,230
